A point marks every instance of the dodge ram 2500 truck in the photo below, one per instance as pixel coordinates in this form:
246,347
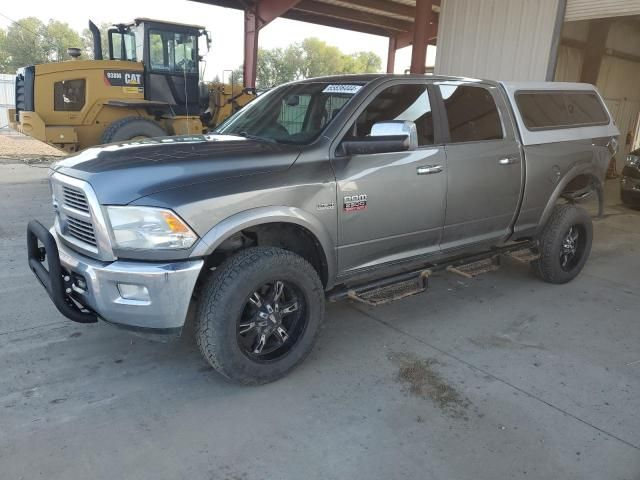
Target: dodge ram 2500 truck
322,188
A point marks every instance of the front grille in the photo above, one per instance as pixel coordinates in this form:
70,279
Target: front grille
80,223
75,198
81,230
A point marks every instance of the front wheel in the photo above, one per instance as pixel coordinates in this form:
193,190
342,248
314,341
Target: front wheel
132,128
565,244
259,314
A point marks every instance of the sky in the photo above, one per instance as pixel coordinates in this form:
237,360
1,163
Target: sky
225,25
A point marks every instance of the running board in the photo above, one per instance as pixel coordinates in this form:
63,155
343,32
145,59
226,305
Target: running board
396,287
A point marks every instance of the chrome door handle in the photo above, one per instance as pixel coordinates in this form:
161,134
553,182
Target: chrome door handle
508,161
429,169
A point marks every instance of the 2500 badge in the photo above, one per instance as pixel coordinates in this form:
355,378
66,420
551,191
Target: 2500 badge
121,78
354,203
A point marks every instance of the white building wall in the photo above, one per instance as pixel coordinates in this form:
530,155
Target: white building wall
496,39
7,97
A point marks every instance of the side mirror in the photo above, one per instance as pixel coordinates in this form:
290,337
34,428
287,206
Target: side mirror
385,137
397,128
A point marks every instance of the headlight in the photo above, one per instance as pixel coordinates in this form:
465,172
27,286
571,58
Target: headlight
149,228
633,161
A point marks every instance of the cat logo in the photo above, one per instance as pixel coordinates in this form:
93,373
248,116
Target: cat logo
121,78
132,78
354,203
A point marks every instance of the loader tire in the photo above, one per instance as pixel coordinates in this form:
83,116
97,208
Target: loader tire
132,128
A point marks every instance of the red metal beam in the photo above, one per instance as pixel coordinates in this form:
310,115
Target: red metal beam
335,23
250,64
269,10
423,30
350,14
406,38
384,7
256,16
391,54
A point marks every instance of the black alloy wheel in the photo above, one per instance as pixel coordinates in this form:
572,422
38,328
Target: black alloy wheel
272,321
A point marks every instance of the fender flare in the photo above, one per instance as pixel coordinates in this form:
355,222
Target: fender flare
272,214
588,170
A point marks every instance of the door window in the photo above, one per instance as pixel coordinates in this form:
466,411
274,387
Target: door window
123,46
408,102
173,52
472,113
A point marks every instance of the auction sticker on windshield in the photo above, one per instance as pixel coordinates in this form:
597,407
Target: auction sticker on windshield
352,89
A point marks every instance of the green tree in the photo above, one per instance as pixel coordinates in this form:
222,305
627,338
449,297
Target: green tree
25,43
277,65
59,36
319,58
310,58
87,40
4,56
362,62
30,42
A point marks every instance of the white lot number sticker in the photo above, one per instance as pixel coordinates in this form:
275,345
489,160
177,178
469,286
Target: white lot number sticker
350,89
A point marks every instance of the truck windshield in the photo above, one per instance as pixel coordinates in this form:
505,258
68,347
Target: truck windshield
295,114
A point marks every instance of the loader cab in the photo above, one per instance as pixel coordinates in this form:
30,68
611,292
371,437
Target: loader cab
169,52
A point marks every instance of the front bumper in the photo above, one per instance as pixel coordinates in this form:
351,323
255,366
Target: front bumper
95,286
630,191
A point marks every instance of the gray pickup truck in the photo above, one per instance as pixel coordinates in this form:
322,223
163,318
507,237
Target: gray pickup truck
325,188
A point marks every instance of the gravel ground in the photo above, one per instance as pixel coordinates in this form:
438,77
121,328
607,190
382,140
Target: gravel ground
15,147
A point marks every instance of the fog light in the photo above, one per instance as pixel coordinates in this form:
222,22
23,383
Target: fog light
130,291
79,281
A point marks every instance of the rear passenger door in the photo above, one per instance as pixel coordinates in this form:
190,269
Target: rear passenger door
484,165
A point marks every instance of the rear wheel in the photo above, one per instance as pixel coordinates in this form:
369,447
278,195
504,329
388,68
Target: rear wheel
565,244
132,128
259,314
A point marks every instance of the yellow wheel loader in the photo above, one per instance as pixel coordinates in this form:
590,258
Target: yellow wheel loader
148,86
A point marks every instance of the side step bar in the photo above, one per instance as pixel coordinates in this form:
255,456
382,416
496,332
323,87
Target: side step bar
395,287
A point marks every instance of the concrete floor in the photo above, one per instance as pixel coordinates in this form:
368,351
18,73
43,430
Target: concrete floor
539,381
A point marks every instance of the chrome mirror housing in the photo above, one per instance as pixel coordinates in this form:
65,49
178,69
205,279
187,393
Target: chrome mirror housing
397,128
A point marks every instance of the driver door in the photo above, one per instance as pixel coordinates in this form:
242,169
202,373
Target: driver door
391,205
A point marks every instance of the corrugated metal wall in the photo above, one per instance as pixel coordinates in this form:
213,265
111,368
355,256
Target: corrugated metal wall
496,39
7,97
587,9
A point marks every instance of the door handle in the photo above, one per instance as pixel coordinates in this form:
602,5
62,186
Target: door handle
429,169
508,161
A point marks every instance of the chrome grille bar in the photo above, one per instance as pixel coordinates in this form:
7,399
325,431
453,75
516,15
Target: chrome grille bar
80,222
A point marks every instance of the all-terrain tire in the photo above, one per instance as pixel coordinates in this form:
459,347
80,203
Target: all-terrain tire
549,267
129,128
224,297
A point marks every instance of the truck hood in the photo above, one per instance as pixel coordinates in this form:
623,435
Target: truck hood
121,173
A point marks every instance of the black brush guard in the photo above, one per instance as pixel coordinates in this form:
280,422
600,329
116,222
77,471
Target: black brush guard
54,279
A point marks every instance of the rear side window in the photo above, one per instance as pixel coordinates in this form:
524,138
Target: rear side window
472,113
548,110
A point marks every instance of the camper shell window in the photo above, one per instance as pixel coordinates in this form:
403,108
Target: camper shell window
547,110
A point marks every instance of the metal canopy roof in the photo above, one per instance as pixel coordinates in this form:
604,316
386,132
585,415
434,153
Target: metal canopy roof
404,22
378,17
